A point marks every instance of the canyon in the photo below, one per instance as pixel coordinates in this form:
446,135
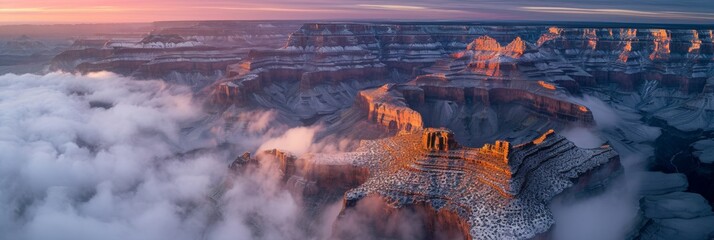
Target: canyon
468,126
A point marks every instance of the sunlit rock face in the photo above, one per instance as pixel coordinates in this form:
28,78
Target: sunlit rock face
322,66
389,109
495,190
480,111
191,53
485,59
346,57
678,58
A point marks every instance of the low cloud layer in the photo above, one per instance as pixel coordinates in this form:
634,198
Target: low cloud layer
107,157
608,215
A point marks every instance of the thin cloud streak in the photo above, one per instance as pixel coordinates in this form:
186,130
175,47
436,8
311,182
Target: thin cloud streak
619,12
67,10
269,9
405,8
392,7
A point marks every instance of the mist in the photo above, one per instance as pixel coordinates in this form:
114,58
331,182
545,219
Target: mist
607,215
100,156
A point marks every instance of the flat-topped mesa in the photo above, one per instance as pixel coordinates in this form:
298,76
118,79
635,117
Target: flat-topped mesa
495,190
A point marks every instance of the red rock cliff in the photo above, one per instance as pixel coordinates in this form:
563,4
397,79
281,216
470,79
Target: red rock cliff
388,109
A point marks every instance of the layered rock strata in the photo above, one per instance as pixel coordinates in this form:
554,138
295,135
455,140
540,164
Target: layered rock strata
566,56
496,190
389,109
678,58
393,106
192,53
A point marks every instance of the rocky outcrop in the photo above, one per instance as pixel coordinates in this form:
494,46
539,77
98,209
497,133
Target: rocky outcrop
361,55
515,183
389,110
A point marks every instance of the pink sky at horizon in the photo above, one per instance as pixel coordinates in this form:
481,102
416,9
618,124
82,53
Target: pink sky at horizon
115,11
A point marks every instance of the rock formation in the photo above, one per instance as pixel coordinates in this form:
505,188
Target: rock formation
569,55
677,58
389,109
496,86
468,105
496,190
321,68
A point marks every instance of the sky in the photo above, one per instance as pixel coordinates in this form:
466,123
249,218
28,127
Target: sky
116,11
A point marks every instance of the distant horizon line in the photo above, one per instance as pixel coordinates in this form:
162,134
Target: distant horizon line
377,21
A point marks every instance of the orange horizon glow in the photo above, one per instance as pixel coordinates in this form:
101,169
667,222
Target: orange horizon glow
116,11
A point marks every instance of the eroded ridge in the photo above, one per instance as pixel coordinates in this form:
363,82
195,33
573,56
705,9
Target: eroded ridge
496,190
